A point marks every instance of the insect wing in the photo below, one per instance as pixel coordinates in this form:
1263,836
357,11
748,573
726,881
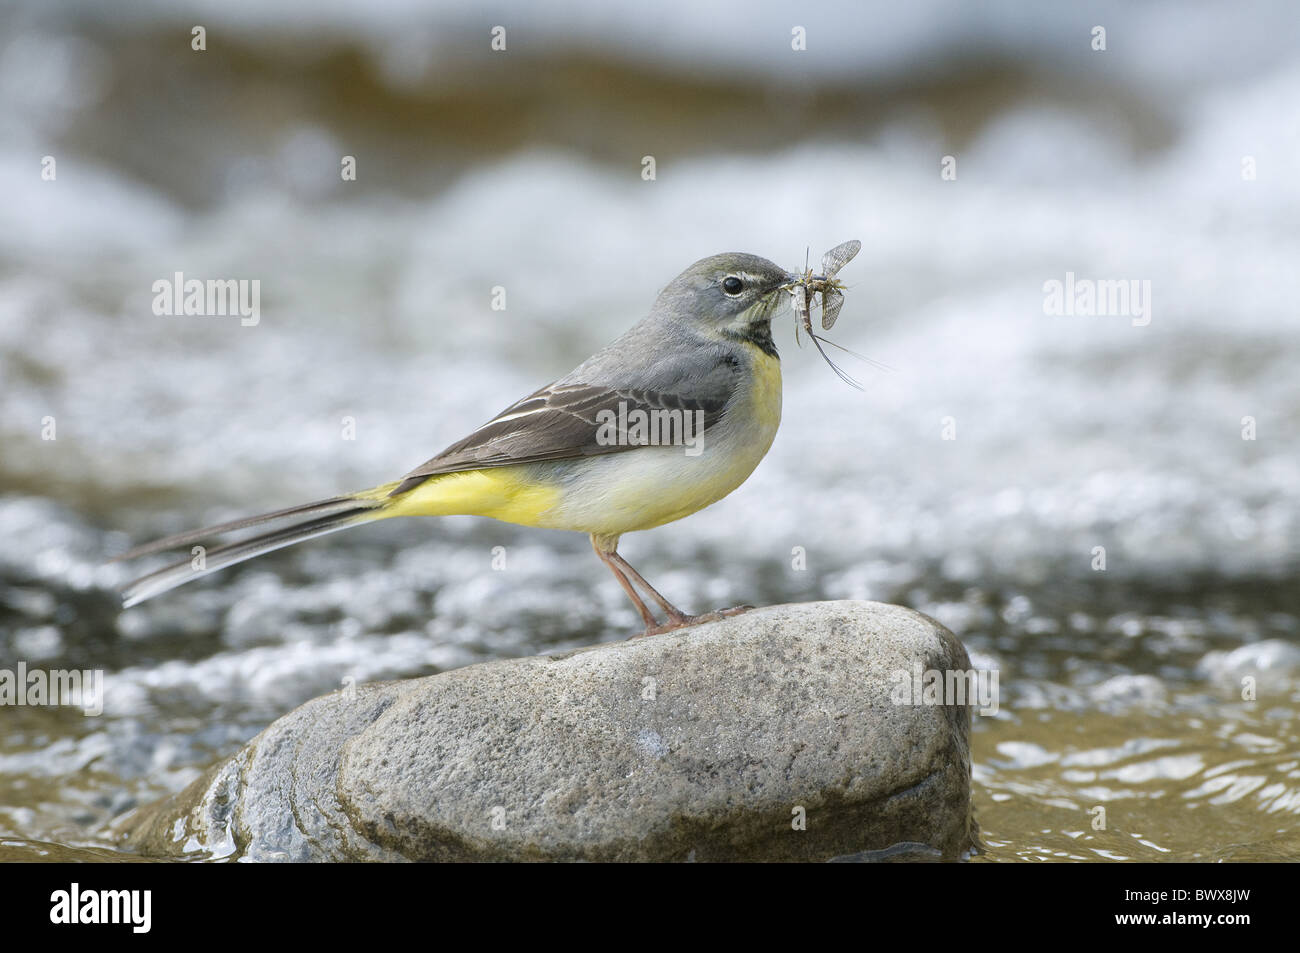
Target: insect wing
832,301
801,312
839,256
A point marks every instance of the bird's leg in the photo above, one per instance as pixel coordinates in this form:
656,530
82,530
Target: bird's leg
646,615
676,617
606,549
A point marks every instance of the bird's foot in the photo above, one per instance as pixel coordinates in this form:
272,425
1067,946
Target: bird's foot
682,621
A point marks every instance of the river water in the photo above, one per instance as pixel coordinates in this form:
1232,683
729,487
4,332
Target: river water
1103,507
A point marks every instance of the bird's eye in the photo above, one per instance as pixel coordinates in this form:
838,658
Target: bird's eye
732,285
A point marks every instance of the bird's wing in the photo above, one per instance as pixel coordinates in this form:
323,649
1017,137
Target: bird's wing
563,420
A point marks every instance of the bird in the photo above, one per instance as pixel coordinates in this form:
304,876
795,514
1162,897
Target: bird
586,452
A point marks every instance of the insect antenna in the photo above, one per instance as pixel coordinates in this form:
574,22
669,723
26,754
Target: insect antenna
839,371
878,365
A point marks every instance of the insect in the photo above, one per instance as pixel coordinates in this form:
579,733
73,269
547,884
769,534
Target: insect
809,288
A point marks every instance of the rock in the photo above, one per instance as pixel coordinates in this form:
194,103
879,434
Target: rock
706,744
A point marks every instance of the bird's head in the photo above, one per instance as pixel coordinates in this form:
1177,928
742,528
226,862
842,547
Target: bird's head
733,295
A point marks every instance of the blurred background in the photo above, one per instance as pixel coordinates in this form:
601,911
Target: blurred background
1169,157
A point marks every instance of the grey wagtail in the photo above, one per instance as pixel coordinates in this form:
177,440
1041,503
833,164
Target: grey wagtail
580,454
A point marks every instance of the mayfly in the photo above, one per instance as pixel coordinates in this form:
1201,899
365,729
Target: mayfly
807,287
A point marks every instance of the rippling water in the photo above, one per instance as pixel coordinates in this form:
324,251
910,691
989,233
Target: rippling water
1121,688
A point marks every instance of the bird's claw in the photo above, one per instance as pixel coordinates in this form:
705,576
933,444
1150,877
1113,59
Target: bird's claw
685,621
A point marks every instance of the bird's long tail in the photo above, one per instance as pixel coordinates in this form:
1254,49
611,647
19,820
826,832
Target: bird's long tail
301,523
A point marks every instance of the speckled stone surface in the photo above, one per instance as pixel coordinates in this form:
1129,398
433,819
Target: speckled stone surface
767,736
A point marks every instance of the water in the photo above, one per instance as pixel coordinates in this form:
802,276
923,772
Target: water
1121,688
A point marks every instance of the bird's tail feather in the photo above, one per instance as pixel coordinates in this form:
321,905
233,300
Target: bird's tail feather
310,520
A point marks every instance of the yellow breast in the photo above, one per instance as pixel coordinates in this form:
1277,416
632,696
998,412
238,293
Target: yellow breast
649,486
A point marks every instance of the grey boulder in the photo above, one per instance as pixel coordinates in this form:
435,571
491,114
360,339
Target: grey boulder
774,735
